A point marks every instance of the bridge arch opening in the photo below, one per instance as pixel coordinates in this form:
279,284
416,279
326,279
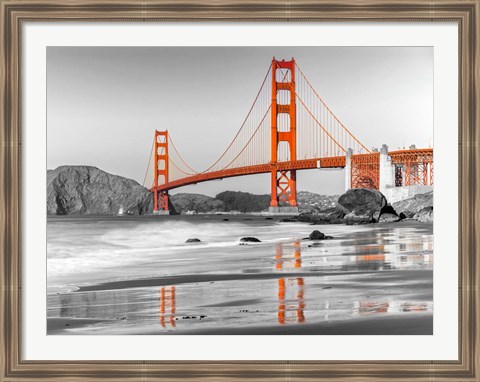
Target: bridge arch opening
283,97
283,123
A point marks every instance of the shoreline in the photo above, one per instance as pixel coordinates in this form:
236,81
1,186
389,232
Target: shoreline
148,282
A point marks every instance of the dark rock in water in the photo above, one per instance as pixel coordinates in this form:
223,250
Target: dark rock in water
425,215
389,218
410,208
317,235
363,205
193,240
249,239
83,190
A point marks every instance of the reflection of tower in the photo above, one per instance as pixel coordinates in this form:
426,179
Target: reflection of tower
298,305
297,255
167,306
373,307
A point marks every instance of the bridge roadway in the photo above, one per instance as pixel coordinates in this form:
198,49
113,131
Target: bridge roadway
301,164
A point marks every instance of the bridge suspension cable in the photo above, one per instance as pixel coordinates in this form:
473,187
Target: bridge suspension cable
355,144
320,133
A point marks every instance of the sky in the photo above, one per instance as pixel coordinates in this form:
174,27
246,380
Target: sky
104,103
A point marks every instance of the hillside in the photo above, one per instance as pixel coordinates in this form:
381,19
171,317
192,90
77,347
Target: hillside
243,201
83,190
184,202
308,201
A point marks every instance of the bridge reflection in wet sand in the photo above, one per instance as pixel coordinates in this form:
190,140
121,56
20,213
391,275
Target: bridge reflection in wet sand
288,287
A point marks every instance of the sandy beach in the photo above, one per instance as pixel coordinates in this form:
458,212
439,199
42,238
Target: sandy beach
372,279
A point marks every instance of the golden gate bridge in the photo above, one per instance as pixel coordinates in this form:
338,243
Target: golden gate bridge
288,128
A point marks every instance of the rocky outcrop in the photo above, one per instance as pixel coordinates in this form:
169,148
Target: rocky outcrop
409,208
82,190
363,205
186,202
425,215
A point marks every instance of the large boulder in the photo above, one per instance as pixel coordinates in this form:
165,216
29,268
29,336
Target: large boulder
363,205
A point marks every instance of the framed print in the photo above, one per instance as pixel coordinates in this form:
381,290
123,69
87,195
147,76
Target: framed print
236,190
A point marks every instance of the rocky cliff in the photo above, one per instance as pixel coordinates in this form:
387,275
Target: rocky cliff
420,207
82,190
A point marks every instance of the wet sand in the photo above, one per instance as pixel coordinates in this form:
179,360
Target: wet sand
410,324
375,279
201,278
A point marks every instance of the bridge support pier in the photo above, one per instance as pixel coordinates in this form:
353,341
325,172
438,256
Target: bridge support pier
160,203
348,169
387,170
283,210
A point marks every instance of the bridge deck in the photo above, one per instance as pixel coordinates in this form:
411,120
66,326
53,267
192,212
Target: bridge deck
302,164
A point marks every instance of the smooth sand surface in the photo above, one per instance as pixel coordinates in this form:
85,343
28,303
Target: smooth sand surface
139,277
410,324
208,277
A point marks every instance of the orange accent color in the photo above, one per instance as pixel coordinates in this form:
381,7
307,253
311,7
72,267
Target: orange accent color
283,182
167,302
412,167
278,256
302,164
284,309
365,171
160,196
415,166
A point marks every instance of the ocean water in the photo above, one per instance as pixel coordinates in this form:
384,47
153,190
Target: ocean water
97,267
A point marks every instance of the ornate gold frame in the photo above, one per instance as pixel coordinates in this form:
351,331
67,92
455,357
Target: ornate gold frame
14,12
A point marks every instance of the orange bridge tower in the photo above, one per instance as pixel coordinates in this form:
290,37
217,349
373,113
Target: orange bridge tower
160,198
283,132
